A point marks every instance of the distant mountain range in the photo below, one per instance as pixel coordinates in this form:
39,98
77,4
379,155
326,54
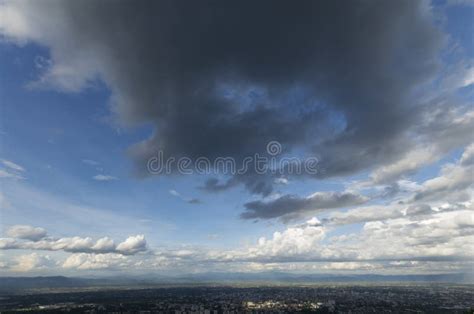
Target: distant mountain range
315,278
20,283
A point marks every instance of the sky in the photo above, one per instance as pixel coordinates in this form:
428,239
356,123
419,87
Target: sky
175,137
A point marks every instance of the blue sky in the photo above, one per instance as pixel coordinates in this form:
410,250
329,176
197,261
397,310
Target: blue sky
69,175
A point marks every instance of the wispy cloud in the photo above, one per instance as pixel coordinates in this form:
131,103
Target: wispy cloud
11,170
12,165
185,199
103,177
90,162
7,174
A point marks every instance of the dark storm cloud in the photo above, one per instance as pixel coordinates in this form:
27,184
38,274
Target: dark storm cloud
290,206
330,77
256,183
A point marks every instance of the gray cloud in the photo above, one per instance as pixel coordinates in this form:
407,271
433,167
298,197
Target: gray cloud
223,78
26,232
256,183
292,206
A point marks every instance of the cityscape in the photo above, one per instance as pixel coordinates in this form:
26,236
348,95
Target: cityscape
237,156
319,298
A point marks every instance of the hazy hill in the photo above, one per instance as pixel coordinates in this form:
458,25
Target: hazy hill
20,283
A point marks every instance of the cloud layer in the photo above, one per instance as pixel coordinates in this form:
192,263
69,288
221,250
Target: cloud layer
223,79
291,206
362,85
34,238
